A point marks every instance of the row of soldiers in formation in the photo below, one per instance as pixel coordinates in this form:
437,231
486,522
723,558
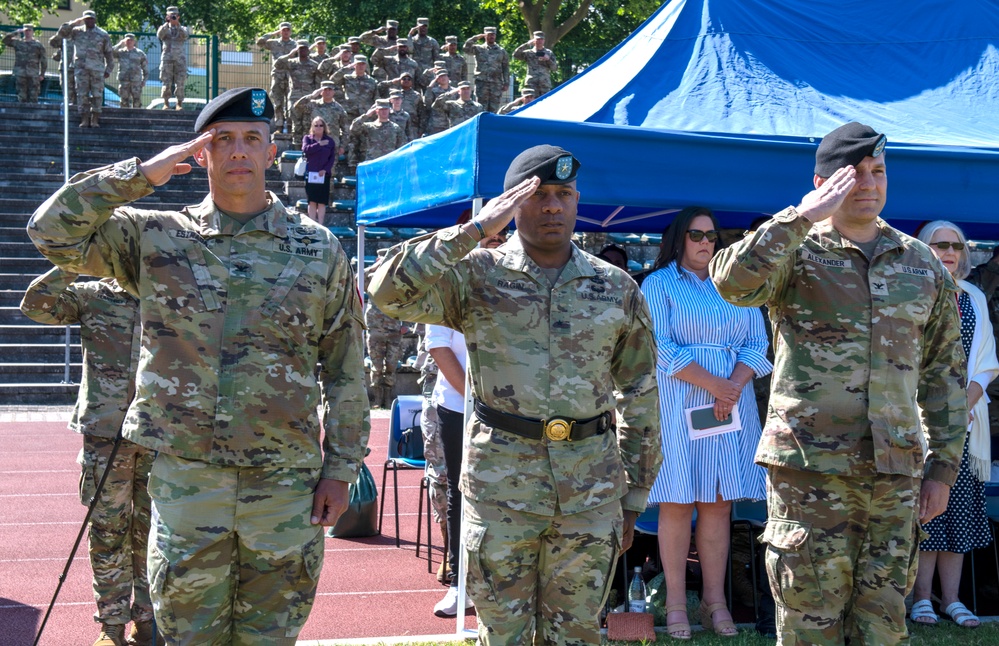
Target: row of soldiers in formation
93,59
416,65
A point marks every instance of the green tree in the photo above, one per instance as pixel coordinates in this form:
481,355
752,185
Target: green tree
22,12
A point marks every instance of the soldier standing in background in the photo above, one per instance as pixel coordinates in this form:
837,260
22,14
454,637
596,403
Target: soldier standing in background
395,66
173,58
540,63
251,324
110,335
424,49
92,64
30,63
457,105
457,66
552,489
359,89
133,70
322,104
411,99
278,43
304,78
400,116
434,119
56,43
374,139
319,44
384,341
526,96
866,330
492,69
382,44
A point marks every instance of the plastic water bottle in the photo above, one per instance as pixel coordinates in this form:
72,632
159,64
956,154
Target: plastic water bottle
636,592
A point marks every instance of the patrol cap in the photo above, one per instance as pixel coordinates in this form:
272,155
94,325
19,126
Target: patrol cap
360,58
539,34
383,103
527,91
451,39
284,25
237,104
89,13
440,63
327,85
440,73
423,21
392,24
354,39
406,75
320,39
489,30
31,27
551,164
132,36
395,93
402,42
464,84
301,42
847,146
171,10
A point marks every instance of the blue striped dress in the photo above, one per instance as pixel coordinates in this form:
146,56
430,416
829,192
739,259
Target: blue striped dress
694,324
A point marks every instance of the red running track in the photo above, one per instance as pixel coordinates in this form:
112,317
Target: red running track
368,588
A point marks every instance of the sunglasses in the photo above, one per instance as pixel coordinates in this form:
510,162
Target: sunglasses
697,235
958,246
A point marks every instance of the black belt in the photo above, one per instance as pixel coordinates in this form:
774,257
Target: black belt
555,429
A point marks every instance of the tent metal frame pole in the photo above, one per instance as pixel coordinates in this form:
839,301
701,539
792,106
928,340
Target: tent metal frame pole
65,172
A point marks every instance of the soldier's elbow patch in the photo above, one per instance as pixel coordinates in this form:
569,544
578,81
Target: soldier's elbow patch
790,566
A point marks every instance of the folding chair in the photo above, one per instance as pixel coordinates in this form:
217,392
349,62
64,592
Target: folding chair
406,411
992,510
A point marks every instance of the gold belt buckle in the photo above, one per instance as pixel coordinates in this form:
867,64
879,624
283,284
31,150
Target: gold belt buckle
557,429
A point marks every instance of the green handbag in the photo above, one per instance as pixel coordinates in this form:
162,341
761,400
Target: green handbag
361,517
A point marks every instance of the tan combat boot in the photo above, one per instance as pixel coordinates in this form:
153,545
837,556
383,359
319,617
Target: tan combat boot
142,634
111,635
85,120
180,105
95,119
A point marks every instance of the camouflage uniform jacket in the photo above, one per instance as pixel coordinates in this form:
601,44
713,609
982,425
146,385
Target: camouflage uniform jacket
403,119
277,48
433,118
424,50
375,139
29,56
393,67
380,43
235,319
457,111
335,117
538,67
92,46
131,64
855,350
110,335
457,67
359,92
304,75
491,61
539,352
319,58
174,39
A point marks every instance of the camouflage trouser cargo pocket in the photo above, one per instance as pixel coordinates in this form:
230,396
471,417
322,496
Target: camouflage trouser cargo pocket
617,539
793,579
158,568
308,581
479,581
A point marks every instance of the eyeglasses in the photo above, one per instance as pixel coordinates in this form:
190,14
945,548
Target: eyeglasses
958,246
696,235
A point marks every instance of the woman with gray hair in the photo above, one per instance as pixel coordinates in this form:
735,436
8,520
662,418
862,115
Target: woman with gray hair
964,526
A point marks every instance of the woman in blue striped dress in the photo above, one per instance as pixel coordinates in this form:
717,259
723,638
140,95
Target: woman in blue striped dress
709,353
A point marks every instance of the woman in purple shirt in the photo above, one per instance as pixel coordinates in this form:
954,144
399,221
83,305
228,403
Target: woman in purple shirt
319,150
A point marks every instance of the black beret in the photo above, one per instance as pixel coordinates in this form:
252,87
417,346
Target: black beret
237,104
847,146
551,164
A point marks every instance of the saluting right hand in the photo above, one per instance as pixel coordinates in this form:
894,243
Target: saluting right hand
497,214
170,162
825,200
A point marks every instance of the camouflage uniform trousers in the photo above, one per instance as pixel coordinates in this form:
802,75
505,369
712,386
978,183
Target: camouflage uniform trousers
489,94
385,350
119,528
841,555
130,90
546,576
279,96
89,90
29,86
173,75
433,453
232,557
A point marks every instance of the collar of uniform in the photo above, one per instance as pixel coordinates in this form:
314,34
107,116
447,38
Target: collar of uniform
516,259
275,221
827,236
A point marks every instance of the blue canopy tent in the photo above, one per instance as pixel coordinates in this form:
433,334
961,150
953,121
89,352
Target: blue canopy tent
723,103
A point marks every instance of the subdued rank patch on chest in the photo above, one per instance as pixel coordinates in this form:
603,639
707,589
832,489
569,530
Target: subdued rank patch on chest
879,287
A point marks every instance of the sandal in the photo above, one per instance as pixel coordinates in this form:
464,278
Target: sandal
677,629
961,616
723,627
922,613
